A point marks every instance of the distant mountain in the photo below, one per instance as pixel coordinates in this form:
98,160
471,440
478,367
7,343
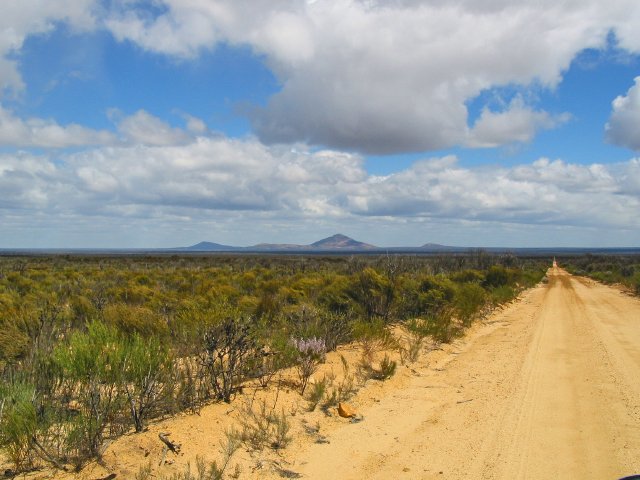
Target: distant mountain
277,246
436,247
433,245
340,241
209,247
335,242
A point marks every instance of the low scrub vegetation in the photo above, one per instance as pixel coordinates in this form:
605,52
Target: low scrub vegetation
92,347
609,269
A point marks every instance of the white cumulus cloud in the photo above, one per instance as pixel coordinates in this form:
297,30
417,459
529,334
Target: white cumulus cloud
518,123
47,133
248,183
144,128
19,19
623,127
389,76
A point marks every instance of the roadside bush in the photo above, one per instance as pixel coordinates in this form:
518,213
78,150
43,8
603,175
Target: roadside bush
231,353
442,326
418,330
469,300
373,337
496,277
425,296
387,369
502,294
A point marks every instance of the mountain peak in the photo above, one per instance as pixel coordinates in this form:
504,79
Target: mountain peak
340,241
208,247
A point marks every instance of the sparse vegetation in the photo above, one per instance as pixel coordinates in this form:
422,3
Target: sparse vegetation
317,393
92,347
262,427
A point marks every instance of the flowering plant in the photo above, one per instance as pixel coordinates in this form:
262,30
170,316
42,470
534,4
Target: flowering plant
311,352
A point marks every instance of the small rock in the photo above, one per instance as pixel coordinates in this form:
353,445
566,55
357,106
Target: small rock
346,411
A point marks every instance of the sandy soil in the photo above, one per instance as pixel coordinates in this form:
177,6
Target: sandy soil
546,388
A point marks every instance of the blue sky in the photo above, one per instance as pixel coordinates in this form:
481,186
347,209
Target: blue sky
159,124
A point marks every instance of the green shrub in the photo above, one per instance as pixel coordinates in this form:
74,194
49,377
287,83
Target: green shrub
14,343
92,364
18,423
372,293
132,319
468,276
418,330
146,369
442,326
502,294
344,390
425,296
496,277
469,300
387,369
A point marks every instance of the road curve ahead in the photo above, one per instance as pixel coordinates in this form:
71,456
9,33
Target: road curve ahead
549,388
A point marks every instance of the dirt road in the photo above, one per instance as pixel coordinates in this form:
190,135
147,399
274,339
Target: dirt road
548,389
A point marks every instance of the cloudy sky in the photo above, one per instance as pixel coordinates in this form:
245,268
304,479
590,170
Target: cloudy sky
162,123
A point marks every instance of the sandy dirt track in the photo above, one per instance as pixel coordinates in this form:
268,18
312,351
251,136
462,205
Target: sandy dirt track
549,388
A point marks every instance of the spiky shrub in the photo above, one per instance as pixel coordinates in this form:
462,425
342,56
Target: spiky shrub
231,353
280,428
262,427
387,369
311,352
374,338
186,376
317,392
342,390
417,331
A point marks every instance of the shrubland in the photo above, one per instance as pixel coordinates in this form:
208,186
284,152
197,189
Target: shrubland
92,347
609,269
